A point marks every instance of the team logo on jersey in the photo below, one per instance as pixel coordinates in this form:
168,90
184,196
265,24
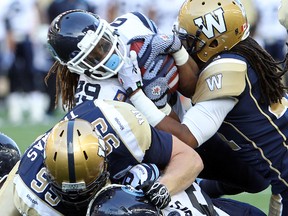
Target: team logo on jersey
212,21
214,82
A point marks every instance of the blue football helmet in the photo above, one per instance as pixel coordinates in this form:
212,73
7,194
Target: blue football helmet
9,155
121,200
86,44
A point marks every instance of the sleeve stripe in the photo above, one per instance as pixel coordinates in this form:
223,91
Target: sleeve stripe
147,22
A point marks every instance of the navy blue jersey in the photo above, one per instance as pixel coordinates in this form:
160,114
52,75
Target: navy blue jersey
259,131
129,138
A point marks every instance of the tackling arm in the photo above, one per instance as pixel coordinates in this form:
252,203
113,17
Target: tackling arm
184,166
188,77
200,122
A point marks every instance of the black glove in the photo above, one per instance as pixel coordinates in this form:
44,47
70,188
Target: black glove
157,193
154,45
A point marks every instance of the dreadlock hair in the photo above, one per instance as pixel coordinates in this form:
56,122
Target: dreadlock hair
270,71
66,84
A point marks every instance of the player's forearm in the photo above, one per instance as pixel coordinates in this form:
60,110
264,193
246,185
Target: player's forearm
157,118
182,170
188,76
179,130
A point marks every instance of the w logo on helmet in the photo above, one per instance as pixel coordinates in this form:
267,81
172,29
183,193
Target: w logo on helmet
213,21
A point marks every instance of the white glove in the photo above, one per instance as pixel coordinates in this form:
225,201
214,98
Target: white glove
130,75
140,173
154,45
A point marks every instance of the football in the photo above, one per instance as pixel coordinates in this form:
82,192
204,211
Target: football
169,62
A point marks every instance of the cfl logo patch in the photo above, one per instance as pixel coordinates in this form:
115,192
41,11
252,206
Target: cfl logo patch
156,90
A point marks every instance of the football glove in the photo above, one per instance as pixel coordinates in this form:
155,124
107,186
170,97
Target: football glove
140,173
156,192
154,45
130,76
155,81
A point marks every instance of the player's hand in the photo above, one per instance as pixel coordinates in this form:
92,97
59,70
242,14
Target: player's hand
130,75
156,81
140,173
154,45
156,192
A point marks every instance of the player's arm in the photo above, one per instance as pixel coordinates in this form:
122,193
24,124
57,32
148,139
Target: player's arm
200,122
214,98
7,206
189,73
180,164
184,166
212,106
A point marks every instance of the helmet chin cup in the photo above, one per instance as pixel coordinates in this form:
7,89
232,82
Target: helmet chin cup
113,62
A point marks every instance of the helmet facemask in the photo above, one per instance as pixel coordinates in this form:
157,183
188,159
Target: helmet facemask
101,55
78,194
192,43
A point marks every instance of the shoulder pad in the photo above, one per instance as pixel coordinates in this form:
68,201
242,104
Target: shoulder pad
222,78
127,122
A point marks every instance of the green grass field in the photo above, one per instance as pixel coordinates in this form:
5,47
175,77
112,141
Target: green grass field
25,134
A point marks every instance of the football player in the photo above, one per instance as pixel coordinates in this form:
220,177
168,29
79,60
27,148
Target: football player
93,78
61,171
94,74
239,93
126,200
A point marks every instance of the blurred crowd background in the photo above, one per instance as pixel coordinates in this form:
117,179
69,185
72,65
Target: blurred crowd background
25,61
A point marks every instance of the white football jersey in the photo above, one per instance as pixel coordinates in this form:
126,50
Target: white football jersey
128,26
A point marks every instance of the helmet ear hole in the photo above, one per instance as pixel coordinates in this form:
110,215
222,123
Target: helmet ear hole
214,44
55,156
85,155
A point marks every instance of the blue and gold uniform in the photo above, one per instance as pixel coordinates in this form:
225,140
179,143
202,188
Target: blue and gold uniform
130,139
256,132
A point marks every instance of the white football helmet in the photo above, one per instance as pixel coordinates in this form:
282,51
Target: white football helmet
86,44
